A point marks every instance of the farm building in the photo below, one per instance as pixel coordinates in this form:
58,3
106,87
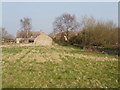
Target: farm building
35,37
58,35
43,39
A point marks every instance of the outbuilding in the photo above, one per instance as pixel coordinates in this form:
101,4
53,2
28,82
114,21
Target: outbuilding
43,40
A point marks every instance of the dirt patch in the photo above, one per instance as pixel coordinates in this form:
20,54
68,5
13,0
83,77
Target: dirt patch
53,57
6,56
88,57
38,57
35,51
17,45
12,57
34,56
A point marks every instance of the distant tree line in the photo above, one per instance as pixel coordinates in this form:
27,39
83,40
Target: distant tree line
87,33
5,36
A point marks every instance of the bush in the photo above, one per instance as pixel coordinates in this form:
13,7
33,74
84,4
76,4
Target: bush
63,43
99,35
75,40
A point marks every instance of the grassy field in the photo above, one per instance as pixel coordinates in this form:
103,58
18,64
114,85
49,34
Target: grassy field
57,67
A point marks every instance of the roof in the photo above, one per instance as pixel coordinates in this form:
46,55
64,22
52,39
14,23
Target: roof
31,34
58,34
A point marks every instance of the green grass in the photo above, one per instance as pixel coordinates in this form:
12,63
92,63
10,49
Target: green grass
12,50
71,72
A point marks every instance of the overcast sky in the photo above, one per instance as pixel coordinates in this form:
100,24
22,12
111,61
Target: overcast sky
44,14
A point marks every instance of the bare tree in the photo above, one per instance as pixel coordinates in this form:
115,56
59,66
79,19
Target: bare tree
5,36
3,32
87,22
64,24
26,25
87,25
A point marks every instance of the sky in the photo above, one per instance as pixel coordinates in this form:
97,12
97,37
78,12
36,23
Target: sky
43,14
0,14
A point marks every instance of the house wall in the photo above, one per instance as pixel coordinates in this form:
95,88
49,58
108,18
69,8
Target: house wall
19,40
